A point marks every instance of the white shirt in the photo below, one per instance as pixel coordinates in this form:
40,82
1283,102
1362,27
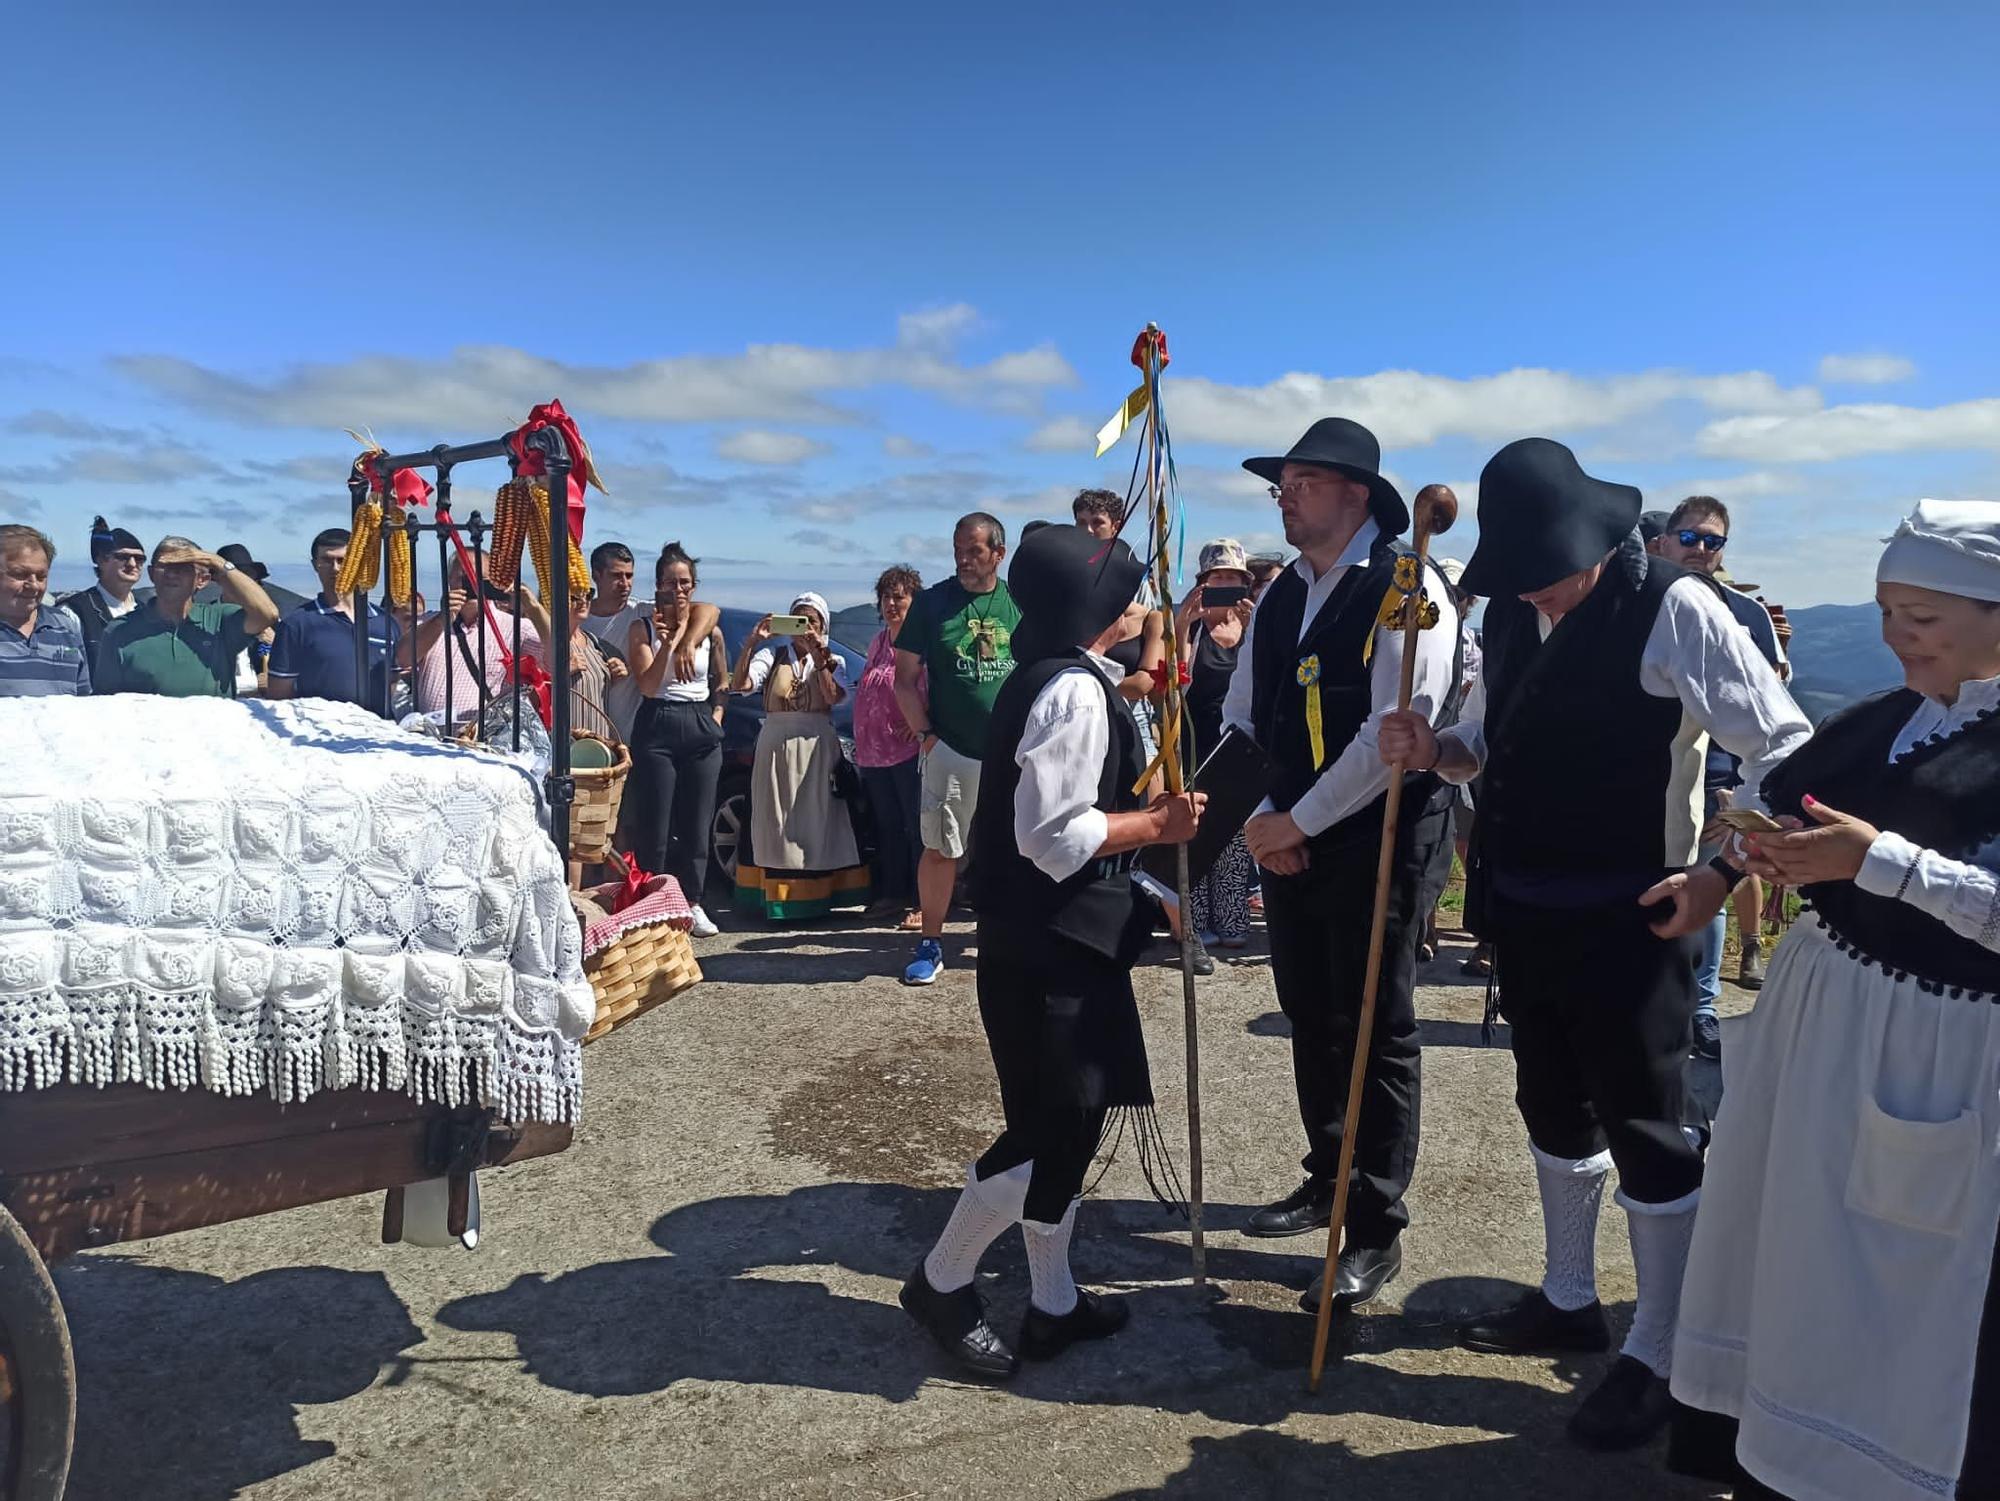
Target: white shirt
1963,895
1355,777
621,695
1698,654
1057,823
766,657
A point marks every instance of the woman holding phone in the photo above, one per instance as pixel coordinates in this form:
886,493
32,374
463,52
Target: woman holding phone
676,659
1211,620
803,860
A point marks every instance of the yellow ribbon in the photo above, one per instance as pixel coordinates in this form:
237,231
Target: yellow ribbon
1391,616
1121,419
1315,722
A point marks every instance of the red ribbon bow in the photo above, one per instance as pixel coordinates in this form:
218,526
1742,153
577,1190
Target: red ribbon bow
409,487
1153,336
529,464
632,887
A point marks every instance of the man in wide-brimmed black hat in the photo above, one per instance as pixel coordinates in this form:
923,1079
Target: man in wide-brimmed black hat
1605,670
1057,826
1314,672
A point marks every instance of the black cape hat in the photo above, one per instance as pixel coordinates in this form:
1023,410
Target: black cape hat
1346,448
1541,518
105,539
1069,586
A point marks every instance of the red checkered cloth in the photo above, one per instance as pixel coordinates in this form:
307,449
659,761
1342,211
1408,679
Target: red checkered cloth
660,900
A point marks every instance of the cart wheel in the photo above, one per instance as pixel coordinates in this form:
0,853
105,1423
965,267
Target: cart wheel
37,1375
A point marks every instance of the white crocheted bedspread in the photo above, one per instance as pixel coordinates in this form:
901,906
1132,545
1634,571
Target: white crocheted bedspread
279,896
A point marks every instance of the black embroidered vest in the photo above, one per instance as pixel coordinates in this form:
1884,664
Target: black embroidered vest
1942,794
1333,647
1579,757
1015,899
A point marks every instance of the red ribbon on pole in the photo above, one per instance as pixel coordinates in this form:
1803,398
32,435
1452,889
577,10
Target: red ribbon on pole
529,464
1156,338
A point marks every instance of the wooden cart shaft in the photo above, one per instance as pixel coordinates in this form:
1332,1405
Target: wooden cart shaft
83,1167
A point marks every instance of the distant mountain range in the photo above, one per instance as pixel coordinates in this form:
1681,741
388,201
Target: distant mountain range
1837,652
1838,656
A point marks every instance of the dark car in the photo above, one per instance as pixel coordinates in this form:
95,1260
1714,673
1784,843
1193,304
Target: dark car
741,721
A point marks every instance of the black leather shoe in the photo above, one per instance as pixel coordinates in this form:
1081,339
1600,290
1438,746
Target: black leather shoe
1307,1207
957,1321
1630,1405
1359,1276
1045,1335
1535,1326
1707,1036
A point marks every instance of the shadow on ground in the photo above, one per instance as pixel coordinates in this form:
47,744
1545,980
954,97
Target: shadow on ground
189,1386
728,1303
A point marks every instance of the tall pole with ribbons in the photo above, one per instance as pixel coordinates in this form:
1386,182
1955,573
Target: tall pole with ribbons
1435,511
1157,495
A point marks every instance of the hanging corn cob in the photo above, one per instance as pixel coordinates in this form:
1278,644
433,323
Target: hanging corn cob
402,566
579,570
362,566
534,505
511,505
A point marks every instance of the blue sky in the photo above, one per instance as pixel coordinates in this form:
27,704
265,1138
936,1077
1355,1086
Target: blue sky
815,280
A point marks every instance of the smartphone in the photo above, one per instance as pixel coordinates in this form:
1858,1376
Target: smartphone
1221,597
790,625
1748,821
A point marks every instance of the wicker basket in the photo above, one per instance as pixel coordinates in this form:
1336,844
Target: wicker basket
637,971
593,817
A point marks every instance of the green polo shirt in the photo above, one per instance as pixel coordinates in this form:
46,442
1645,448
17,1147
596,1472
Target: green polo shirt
191,658
967,643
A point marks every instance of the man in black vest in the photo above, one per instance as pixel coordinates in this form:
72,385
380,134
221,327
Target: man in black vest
1057,826
1315,671
118,558
1605,671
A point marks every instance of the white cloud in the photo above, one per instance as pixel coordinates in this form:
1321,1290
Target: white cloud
1409,409
1062,435
825,541
1755,484
150,464
481,388
43,423
1865,369
896,446
1846,432
757,446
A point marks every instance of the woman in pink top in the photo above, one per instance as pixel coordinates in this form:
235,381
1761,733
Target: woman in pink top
886,751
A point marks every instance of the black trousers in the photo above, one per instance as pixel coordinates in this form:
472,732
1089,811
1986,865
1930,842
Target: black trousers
1318,923
1038,1003
893,793
670,801
1601,1010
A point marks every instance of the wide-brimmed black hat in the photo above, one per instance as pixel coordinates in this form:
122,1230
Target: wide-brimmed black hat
1068,586
237,553
1346,448
1541,518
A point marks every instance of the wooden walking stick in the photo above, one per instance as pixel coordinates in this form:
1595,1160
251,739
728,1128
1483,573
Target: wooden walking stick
1435,511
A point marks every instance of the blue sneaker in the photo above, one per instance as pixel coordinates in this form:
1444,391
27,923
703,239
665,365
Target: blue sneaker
927,966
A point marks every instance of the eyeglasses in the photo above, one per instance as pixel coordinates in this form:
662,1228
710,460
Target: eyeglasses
1295,487
1706,541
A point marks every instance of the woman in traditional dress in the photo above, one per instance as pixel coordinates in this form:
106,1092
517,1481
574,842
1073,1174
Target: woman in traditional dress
1842,1249
804,861
1213,633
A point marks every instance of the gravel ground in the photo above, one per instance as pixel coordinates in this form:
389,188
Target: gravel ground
698,1299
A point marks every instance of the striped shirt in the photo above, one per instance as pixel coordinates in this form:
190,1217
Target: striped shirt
49,659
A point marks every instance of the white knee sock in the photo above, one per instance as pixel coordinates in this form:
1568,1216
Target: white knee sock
1661,1235
1053,1289
983,1210
1572,1193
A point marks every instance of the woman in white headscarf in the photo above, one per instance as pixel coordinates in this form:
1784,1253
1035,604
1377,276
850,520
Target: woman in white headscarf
803,859
1830,1314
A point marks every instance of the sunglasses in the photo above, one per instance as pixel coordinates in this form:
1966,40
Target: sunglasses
1706,541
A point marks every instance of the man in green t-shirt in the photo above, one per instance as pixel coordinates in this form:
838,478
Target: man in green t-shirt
175,647
962,633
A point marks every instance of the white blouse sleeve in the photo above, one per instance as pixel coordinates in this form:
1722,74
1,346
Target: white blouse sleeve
761,662
1962,896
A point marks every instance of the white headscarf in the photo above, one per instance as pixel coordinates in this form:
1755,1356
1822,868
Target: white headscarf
1951,546
818,602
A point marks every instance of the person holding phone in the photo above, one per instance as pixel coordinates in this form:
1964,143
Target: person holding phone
1605,669
803,859
1211,622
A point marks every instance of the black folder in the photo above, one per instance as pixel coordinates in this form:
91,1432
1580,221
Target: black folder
1237,777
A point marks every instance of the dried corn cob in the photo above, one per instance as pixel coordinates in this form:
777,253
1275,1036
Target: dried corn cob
402,566
362,566
536,508
510,530
579,570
